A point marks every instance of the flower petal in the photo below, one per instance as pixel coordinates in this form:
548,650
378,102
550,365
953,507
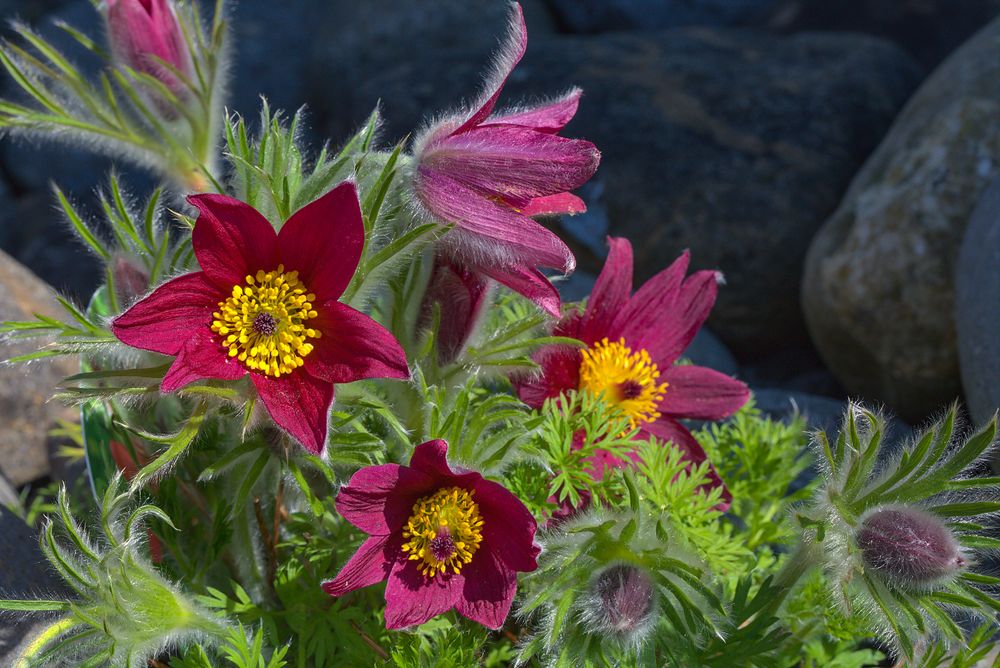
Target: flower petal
231,240
299,404
431,457
487,232
646,310
549,118
611,292
201,357
352,347
530,283
511,52
412,598
554,205
171,315
670,430
370,565
511,162
560,372
489,590
323,241
508,528
379,499
700,393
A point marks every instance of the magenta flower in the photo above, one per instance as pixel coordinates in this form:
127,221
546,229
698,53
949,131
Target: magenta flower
265,305
442,539
145,32
632,342
487,174
461,295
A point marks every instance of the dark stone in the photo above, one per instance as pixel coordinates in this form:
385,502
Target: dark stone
794,368
928,29
734,144
24,574
596,16
708,350
878,287
977,307
819,412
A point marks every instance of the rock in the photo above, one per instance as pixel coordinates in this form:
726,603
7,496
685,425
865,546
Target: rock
366,41
977,317
928,29
26,410
819,412
596,16
878,288
708,350
24,573
797,368
734,144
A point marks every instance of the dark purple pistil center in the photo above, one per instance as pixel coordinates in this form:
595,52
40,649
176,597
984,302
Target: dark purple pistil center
442,546
265,324
630,389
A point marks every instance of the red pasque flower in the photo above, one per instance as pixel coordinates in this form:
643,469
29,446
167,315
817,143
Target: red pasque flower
442,539
265,305
462,296
488,174
632,342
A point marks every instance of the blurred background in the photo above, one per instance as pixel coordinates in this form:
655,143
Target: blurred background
833,159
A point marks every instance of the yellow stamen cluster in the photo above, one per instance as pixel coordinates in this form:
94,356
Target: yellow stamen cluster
625,378
444,531
263,323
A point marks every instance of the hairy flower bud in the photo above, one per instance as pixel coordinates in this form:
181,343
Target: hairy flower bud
621,603
461,294
131,280
908,546
145,32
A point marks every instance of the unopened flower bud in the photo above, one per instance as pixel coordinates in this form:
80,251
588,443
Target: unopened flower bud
131,280
621,603
461,294
145,32
908,546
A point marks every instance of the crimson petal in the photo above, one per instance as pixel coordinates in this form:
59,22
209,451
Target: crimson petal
201,357
171,315
299,404
513,162
412,598
489,590
370,565
511,52
647,308
324,240
352,347
549,118
528,282
611,291
553,205
508,527
231,240
701,393
379,499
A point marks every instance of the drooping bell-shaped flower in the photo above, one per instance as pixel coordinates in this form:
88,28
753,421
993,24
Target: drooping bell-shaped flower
131,280
908,546
145,34
488,173
461,295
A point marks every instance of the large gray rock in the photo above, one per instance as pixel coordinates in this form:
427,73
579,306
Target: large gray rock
977,307
734,144
27,412
594,16
878,289
928,29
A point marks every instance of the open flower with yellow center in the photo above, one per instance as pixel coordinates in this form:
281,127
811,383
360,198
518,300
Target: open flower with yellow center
632,346
441,538
265,305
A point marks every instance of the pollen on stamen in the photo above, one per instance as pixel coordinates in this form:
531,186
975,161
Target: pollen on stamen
263,324
629,379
